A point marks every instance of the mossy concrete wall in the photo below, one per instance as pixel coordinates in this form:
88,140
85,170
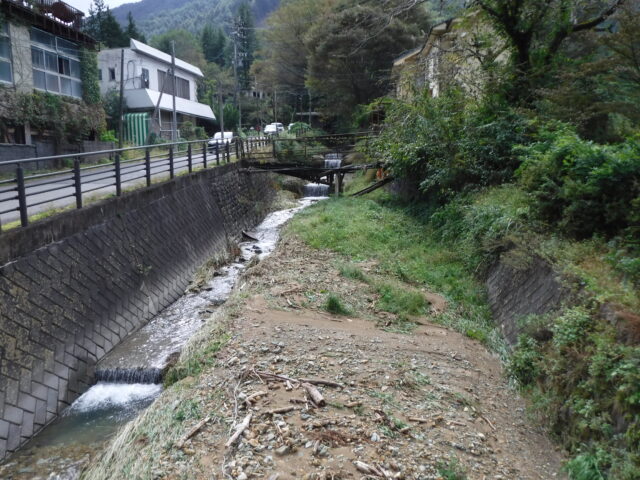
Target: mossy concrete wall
73,286
518,288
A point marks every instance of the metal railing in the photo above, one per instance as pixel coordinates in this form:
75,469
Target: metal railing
60,11
118,170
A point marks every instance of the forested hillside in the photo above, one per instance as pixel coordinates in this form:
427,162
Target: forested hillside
155,17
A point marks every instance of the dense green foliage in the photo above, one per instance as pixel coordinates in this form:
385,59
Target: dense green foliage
588,385
89,77
69,120
450,145
581,187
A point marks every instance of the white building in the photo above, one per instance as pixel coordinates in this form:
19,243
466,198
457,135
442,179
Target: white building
145,72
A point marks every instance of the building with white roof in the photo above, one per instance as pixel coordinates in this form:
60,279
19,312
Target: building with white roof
145,71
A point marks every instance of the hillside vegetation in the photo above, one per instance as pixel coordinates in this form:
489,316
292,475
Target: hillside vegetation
155,17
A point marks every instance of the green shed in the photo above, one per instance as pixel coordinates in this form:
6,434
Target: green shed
136,130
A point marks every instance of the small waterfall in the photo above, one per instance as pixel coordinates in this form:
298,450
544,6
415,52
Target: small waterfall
129,375
333,160
315,190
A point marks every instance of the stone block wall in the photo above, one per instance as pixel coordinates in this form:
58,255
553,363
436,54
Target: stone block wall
517,291
73,286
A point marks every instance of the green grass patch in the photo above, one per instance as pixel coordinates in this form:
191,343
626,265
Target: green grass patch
451,470
334,305
408,253
353,272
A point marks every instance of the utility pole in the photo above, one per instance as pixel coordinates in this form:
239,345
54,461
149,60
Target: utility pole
309,93
174,121
121,107
236,96
221,108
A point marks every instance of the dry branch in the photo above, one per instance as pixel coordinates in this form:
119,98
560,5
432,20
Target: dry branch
314,394
280,410
196,428
241,428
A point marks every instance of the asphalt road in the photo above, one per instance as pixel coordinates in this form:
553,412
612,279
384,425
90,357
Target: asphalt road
58,190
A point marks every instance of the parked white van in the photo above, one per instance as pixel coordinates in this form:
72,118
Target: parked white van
220,140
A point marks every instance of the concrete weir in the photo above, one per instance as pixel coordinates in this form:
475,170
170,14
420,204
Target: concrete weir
72,287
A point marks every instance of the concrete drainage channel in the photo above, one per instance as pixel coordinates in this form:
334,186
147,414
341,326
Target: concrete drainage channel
129,378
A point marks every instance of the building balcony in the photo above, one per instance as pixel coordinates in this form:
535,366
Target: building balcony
53,16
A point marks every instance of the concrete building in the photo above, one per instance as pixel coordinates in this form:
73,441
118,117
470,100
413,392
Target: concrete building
40,42
148,84
458,51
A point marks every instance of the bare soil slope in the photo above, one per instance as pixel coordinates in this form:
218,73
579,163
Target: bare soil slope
426,405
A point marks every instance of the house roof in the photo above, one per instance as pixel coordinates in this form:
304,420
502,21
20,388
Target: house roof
145,99
145,49
437,29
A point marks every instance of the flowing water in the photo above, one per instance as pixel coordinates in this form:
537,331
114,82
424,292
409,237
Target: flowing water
331,160
128,378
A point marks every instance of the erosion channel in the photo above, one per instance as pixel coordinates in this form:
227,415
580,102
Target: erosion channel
129,378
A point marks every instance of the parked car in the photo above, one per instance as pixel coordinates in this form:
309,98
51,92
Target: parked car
273,128
219,140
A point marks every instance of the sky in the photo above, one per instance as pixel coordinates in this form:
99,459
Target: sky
85,4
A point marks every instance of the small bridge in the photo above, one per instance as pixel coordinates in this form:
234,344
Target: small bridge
320,159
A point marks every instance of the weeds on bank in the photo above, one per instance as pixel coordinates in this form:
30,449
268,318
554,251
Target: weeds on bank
451,470
334,305
408,255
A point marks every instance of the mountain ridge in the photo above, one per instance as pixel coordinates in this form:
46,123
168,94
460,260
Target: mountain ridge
154,17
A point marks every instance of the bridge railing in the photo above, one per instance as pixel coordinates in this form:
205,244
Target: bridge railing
25,192
308,150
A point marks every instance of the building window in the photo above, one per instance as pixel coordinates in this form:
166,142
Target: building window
100,74
145,78
6,74
182,85
112,74
56,64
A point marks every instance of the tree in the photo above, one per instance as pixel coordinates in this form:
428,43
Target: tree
104,27
245,38
284,53
352,48
132,30
536,29
213,42
187,46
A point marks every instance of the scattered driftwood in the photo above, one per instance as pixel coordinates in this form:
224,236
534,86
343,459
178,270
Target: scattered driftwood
314,394
239,429
318,381
375,470
293,381
419,420
280,410
196,428
488,422
251,399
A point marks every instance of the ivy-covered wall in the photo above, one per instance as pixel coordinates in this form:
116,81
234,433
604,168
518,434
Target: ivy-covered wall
68,119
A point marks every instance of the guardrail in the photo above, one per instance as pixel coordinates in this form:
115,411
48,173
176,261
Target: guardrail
120,168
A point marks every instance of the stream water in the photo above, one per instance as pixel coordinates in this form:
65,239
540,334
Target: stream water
128,378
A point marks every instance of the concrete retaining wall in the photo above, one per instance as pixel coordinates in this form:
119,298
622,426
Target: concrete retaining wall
516,291
72,287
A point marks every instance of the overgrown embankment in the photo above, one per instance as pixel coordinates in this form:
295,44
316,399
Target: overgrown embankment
497,183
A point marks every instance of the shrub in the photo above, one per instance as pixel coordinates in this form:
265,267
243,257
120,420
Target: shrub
450,144
579,186
334,305
524,363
